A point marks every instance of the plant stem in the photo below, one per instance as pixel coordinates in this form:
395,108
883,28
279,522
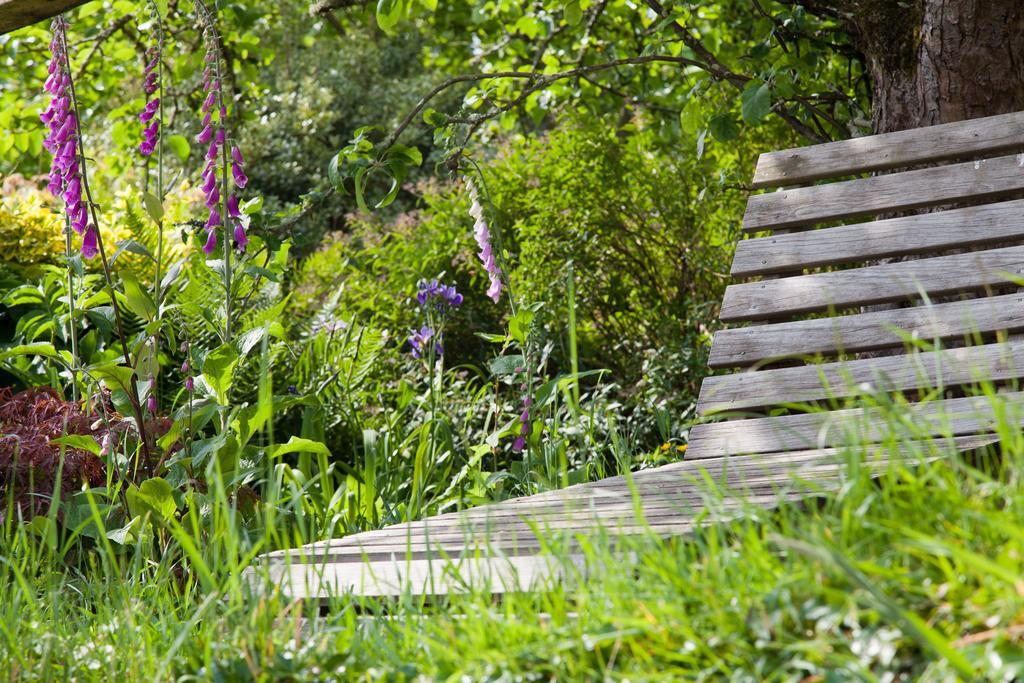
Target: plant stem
72,330
133,393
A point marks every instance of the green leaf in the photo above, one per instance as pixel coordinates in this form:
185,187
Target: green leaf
41,349
298,444
411,155
519,325
154,207
757,102
79,441
218,370
723,127
113,375
433,117
179,145
138,299
388,14
572,13
154,495
506,365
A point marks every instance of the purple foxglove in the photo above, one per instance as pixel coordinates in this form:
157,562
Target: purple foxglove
241,239
233,211
189,384
151,404
211,242
214,220
213,198
236,155
241,180
482,234
90,242
209,183
205,135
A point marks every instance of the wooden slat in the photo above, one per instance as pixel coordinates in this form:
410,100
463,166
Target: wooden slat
977,137
972,271
749,479
956,417
867,331
936,370
15,14
966,227
985,178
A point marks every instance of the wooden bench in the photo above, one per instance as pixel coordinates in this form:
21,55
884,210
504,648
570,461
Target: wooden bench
804,281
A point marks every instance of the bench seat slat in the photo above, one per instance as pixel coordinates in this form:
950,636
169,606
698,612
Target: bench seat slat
990,135
901,281
871,331
934,369
983,179
948,417
966,227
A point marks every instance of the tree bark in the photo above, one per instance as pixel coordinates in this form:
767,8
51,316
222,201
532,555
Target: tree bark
938,61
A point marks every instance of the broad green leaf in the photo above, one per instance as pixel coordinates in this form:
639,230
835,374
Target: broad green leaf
154,495
723,127
519,325
138,299
154,207
756,102
179,145
388,14
79,441
506,365
298,444
218,368
113,375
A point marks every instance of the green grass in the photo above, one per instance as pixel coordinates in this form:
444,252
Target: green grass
914,575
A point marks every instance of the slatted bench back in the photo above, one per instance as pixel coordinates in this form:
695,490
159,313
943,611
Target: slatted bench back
818,259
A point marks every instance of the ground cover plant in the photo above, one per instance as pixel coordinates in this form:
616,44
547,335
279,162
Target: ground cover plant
274,275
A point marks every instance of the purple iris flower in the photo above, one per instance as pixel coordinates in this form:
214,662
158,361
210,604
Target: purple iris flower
419,340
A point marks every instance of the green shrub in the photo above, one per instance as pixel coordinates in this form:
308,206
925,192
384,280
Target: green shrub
648,238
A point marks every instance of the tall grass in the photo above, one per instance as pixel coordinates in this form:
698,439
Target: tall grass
911,570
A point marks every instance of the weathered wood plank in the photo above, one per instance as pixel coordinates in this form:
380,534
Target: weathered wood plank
867,331
903,281
966,227
844,379
985,178
15,14
418,576
456,534
950,417
977,137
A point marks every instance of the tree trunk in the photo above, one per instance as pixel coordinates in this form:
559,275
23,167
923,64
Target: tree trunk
937,61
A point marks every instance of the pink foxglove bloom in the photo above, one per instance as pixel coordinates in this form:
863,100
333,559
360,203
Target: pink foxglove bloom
62,139
482,234
151,86
524,425
216,184
211,242
90,242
